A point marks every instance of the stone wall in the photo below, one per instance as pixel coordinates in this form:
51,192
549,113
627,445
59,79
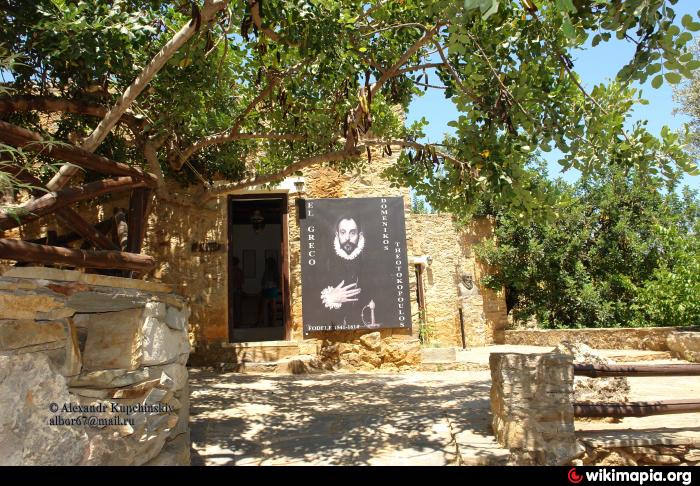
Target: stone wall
371,352
92,370
179,219
532,398
532,408
648,338
451,249
685,345
621,453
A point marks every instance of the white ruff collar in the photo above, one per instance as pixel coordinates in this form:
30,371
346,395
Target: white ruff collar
341,253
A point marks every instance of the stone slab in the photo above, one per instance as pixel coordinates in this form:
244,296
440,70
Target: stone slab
87,278
113,340
644,437
439,355
21,333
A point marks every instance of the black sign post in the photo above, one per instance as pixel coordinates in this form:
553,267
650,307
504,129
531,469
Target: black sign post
354,265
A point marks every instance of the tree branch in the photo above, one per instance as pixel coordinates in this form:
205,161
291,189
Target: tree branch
208,12
254,6
231,137
420,66
50,104
289,170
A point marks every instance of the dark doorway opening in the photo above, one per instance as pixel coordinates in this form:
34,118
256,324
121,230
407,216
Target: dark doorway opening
258,276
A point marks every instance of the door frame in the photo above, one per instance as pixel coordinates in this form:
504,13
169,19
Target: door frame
283,197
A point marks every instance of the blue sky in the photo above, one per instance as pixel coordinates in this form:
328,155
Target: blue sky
594,65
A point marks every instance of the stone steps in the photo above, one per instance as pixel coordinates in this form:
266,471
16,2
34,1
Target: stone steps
264,352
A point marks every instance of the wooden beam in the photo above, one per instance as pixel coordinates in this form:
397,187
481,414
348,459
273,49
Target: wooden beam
67,216
595,371
62,240
136,220
72,220
636,409
33,142
121,228
30,252
53,201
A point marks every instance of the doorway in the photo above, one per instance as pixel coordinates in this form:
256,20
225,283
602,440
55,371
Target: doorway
258,269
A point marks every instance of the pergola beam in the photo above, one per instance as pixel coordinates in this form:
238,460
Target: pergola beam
33,142
54,201
30,252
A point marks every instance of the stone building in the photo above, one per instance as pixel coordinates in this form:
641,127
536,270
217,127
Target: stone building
194,243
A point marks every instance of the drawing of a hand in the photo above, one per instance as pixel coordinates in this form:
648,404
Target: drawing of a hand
335,297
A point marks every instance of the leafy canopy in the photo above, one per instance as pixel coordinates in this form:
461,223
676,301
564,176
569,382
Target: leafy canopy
619,253
268,87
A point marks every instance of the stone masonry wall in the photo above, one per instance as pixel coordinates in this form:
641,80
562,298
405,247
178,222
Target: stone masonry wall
649,338
649,454
180,219
532,408
685,345
92,370
451,248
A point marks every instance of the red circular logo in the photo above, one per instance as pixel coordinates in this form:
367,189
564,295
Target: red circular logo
574,477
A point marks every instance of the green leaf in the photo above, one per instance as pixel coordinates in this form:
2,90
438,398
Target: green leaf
673,78
568,29
657,81
565,6
491,10
686,20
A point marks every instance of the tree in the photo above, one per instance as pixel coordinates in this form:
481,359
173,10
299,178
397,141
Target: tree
688,96
618,253
250,93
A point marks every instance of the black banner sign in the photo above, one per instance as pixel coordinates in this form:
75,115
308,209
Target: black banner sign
354,266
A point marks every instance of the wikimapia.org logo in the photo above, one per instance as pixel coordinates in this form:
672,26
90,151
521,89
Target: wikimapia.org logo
639,477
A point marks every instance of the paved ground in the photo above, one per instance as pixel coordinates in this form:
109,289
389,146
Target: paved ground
409,418
681,427
417,418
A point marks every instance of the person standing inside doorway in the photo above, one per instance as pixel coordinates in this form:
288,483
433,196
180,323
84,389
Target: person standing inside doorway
269,292
237,291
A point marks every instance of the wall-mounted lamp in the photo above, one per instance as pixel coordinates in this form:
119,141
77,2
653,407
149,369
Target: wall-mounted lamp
257,220
423,260
299,184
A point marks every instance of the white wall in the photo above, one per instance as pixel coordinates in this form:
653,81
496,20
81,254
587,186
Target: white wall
244,238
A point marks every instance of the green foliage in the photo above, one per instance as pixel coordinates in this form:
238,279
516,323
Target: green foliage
310,64
603,258
670,297
688,96
419,206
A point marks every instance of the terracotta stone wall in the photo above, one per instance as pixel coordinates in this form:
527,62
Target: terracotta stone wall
451,249
180,220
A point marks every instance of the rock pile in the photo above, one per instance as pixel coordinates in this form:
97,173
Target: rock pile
594,390
371,352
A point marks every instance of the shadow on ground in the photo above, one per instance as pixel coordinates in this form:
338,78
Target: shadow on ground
338,419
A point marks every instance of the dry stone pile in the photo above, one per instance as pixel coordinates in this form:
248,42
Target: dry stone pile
594,390
371,352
